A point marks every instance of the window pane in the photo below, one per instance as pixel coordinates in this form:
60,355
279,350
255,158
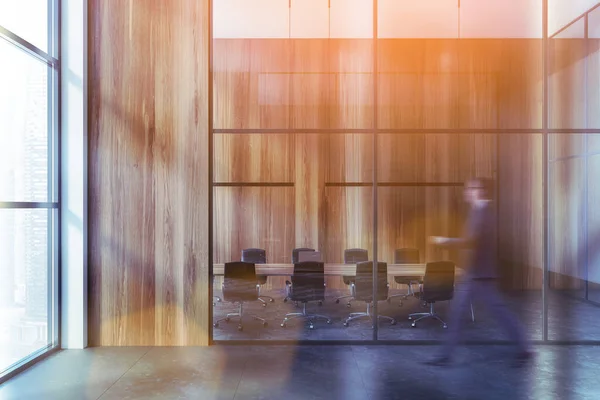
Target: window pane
28,19
23,126
23,284
501,19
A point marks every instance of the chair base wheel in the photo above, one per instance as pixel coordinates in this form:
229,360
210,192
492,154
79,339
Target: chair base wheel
285,300
240,328
264,324
227,319
444,326
348,305
409,317
216,325
311,326
414,325
337,301
346,324
283,325
393,322
320,303
329,321
264,304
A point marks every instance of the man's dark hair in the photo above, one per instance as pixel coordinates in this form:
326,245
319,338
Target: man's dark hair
485,184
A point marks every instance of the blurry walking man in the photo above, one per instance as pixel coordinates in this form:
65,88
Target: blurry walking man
480,247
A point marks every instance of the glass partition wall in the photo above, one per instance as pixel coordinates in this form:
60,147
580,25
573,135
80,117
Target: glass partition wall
341,125
28,182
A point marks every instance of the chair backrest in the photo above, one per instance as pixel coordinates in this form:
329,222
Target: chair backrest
438,282
304,256
256,256
308,281
353,256
298,250
239,282
364,281
406,256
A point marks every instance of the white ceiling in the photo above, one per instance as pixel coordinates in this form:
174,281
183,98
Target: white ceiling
396,18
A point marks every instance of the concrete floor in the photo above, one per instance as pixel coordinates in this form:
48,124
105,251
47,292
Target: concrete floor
308,372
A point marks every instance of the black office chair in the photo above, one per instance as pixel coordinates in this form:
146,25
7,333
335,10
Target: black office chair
216,299
258,256
239,286
297,251
406,256
364,289
438,285
295,260
352,256
308,284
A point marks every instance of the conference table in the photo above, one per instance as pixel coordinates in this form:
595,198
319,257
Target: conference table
334,269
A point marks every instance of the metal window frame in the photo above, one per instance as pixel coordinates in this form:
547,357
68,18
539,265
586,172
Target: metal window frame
54,182
545,131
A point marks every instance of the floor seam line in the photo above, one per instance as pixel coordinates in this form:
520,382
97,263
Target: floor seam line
123,374
237,387
358,369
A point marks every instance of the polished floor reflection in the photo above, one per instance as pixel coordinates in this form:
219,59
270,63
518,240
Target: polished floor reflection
308,372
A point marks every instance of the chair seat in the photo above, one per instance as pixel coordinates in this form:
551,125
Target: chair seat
432,297
405,280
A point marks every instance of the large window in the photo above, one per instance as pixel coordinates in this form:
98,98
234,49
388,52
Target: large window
28,181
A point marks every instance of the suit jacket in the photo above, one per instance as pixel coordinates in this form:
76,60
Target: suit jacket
479,242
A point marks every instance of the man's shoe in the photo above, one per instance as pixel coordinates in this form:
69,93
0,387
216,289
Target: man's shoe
441,361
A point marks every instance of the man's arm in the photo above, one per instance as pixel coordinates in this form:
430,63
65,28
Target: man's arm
470,240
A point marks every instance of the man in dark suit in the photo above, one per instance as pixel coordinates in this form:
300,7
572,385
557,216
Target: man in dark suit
479,245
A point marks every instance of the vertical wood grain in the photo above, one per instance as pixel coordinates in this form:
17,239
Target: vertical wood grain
148,173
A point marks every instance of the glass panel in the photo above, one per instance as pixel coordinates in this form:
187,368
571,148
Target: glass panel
421,195
251,19
24,121
520,229
593,229
24,278
573,239
567,86
309,19
313,206
298,83
417,19
27,19
501,19
351,19
593,70
562,12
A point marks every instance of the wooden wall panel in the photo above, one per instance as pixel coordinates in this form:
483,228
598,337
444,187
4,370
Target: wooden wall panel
520,210
254,158
309,189
401,158
349,158
148,173
351,83
417,83
251,83
246,217
347,221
